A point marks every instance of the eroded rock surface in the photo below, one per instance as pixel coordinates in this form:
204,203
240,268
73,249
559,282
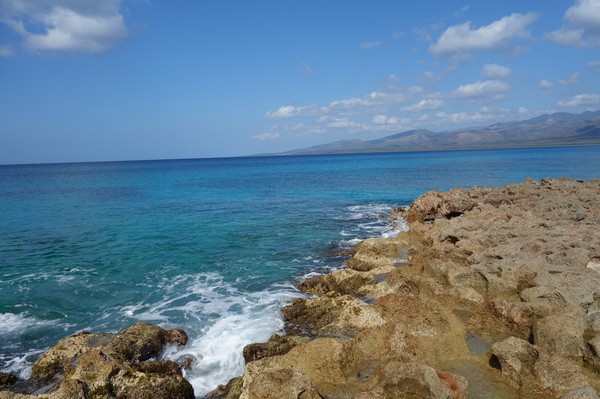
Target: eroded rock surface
107,366
494,293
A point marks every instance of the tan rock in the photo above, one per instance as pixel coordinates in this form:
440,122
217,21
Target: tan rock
112,366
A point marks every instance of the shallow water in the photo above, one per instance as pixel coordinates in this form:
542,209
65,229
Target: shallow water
209,245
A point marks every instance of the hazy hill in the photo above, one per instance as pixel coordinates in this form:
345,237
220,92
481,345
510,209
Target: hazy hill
559,128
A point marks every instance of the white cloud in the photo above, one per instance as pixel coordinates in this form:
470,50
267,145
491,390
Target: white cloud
370,45
495,71
585,14
291,111
381,119
566,37
523,110
544,84
344,123
69,31
66,25
580,99
487,88
376,98
461,38
571,79
426,104
266,136
464,117
346,106
582,25
5,51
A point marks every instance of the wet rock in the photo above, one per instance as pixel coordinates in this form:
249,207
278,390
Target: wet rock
7,379
176,336
111,366
275,346
232,390
187,362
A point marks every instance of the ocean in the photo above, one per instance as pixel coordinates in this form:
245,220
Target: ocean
212,246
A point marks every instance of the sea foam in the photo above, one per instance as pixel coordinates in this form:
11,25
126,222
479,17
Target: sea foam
220,320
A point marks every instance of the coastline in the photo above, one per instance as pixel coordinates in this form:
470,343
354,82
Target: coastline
491,292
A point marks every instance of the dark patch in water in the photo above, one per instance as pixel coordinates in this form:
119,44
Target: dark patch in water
476,344
368,300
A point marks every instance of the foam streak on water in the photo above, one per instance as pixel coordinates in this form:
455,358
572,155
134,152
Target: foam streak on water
231,318
219,317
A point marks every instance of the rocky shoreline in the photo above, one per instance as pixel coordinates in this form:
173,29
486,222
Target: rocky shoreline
493,293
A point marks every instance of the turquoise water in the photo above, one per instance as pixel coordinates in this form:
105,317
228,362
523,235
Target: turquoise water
209,245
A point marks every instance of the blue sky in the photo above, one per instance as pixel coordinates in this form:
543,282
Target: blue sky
87,80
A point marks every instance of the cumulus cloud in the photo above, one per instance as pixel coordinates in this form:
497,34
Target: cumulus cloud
344,123
582,25
87,26
346,106
382,119
461,39
479,89
580,99
567,37
426,104
585,14
291,111
373,99
495,71
462,117
544,84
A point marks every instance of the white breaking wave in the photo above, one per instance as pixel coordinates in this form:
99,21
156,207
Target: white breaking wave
221,320
14,324
372,220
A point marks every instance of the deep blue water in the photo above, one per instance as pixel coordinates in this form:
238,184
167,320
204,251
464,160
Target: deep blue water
210,245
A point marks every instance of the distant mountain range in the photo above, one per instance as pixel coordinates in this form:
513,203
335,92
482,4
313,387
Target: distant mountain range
555,129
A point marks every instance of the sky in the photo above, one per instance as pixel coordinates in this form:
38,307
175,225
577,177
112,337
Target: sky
90,80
